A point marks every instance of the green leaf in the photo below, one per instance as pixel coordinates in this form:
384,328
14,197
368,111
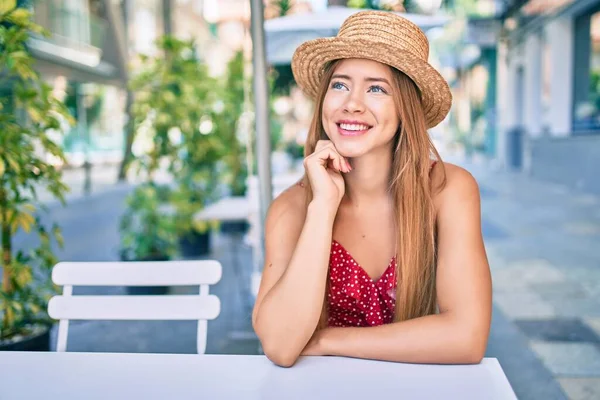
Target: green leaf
58,236
2,167
20,16
7,5
24,220
23,276
13,165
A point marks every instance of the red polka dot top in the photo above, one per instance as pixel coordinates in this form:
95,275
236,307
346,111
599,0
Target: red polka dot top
354,299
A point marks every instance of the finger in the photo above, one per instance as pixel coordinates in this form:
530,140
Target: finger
340,164
330,163
329,158
326,149
333,163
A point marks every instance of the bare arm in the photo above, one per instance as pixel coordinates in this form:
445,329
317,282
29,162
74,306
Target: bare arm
297,246
459,333
292,289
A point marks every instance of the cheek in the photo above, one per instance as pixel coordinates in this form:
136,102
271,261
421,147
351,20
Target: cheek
329,108
389,116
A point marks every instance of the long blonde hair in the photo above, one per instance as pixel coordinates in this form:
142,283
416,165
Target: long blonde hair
411,189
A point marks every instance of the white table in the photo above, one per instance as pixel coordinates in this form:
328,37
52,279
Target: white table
115,376
235,208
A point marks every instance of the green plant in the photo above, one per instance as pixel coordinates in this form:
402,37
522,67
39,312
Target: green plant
294,149
147,228
284,7
173,96
177,122
28,112
227,117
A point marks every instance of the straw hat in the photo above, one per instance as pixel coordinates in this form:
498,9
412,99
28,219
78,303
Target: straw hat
384,37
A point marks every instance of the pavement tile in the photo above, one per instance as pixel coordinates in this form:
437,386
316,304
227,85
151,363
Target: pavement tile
558,330
582,228
528,376
560,290
523,305
586,199
593,323
581,388
571,307
524,273
569,359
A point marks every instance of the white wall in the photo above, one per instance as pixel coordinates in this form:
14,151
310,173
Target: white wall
508,63
521,103
559,33
532,102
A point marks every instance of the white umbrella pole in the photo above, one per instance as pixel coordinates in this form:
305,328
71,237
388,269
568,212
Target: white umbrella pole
261,109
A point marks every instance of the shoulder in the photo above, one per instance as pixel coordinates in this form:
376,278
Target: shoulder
452,185
289,208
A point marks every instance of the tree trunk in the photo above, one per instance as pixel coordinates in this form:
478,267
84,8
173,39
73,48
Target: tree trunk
6,258
167,20
129,128
129,137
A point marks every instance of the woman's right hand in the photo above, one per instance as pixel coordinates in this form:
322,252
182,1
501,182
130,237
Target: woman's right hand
324,169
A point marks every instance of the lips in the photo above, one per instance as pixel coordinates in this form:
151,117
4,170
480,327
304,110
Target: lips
352,128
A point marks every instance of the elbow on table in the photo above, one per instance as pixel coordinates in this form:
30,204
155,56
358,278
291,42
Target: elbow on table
281,357
474,350
279,353
473,356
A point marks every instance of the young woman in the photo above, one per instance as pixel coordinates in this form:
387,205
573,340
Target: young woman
377,253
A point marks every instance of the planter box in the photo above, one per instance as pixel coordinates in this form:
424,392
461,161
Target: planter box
195,244
36,342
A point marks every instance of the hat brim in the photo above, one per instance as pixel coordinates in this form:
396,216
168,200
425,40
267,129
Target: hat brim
310,58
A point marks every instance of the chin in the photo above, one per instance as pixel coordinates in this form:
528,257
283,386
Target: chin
350,150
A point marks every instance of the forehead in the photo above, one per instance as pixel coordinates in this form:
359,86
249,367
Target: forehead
359,68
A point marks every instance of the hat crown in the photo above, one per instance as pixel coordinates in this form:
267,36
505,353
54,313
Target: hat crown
386,27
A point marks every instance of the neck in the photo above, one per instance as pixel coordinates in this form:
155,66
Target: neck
368,182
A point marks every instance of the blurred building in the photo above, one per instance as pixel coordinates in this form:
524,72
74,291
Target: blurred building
91,52
549,91
85,60
87,40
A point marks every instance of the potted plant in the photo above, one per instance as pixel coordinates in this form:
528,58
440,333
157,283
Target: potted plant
147,230
173,112
29,116
230,127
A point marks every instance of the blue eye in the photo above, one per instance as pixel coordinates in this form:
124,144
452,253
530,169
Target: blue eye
338,86
377,89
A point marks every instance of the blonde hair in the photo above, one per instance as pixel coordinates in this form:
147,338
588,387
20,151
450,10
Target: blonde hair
411,189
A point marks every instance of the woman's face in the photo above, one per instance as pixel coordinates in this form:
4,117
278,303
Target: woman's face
359,113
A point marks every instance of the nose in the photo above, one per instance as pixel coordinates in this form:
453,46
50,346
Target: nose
354,103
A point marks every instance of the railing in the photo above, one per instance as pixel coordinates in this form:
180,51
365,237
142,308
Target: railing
73,28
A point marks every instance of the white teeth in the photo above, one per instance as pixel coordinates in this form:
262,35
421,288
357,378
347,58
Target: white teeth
353,127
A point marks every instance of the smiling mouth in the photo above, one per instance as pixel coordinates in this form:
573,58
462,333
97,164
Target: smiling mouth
352,129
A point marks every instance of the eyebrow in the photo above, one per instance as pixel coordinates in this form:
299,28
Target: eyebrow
368,79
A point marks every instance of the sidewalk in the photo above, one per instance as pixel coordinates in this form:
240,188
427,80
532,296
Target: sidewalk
542,242
103,179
